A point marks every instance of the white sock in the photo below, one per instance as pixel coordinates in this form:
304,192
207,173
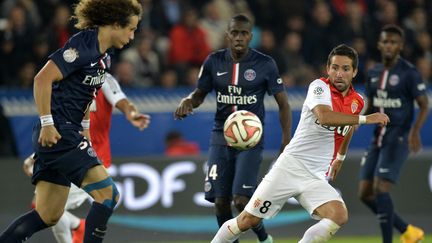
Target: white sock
62,230
228,232
320,232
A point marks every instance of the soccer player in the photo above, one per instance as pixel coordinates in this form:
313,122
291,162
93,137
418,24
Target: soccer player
315,152
70,228
240,77
64,89
392,87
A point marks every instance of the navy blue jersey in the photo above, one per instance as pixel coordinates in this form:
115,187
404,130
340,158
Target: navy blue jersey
394,90
239,86
83,68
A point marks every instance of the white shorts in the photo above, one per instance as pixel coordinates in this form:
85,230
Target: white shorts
77,196
290,178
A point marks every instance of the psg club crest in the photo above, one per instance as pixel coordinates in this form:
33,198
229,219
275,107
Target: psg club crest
70,55
354,106
394,80
249,75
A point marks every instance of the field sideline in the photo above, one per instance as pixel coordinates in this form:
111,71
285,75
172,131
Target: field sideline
342,239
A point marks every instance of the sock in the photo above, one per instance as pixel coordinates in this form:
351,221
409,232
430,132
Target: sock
398,222
260,232
23,227
96,223
320,232
222,218
62,230
385,216
228,232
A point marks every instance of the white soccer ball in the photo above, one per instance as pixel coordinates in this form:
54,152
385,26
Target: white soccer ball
242,130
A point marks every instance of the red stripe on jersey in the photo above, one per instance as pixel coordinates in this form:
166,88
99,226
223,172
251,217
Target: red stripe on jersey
234,80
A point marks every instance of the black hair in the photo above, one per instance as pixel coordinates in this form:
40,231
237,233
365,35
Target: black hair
394,29
344,50
240,18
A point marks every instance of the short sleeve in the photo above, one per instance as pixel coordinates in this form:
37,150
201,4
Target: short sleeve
71,57
318,94
112,90
205,80
274,81
416,85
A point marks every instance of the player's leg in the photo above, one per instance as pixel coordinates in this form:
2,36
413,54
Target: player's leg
50,202
394,153
323,202
218,182
63,229
102,188
245,180
267,200
232,229
366,186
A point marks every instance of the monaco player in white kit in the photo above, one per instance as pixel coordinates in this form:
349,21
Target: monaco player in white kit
314,154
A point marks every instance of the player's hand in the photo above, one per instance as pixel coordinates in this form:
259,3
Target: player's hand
377,118
334,169
86,134
414,141
28,165
48,136
184,109
138,120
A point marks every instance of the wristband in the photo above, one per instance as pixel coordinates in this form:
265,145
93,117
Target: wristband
340,157
85,124
46,120
362,119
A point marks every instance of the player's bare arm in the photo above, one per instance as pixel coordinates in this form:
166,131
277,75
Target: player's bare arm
414,139
187,104
326,116
284,117
337,163
42,94
136,118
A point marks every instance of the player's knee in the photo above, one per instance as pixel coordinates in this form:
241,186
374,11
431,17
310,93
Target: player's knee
340,217
51,218
104,192
240,202
247,221
365,197
222,206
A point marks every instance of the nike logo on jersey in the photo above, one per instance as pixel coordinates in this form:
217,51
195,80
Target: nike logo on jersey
383,170
373,80
220,73
247,187
93,64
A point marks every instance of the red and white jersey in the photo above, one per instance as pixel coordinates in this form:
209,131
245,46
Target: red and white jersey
314,144
100,117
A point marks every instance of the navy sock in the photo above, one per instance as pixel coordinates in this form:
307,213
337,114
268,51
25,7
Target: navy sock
260,232
23,227
221,218
385,216
96,223
398,222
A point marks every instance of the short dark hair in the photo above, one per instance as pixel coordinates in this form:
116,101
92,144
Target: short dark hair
394,29
344,50
240,18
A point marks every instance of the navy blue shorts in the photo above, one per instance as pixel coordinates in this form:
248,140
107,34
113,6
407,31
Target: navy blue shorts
386,160
67,161
232,172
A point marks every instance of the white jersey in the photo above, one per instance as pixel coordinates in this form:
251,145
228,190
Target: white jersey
314,144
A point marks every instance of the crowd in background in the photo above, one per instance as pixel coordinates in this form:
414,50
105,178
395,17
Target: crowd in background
175,36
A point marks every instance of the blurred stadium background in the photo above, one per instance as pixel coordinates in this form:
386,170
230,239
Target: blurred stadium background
162,194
